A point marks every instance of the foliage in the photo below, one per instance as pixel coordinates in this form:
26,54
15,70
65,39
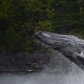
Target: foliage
20,19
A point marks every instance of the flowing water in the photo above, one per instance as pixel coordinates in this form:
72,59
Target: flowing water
59,71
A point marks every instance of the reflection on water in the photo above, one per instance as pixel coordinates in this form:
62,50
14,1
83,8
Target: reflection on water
58,71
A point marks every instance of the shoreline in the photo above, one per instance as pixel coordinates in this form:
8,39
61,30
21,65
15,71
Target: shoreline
23,61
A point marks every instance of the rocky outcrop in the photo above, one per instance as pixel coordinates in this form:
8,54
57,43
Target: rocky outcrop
23,61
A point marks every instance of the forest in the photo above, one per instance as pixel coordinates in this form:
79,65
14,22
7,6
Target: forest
20,19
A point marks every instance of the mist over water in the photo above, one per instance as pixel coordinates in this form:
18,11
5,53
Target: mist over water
59,71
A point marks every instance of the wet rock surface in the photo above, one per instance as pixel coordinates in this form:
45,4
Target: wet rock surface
23,61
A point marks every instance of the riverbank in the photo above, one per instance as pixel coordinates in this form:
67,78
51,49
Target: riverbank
23,61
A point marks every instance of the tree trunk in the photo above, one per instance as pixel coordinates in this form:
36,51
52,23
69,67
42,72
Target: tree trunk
80,10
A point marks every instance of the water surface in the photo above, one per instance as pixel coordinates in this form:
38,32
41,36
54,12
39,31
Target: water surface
59,71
